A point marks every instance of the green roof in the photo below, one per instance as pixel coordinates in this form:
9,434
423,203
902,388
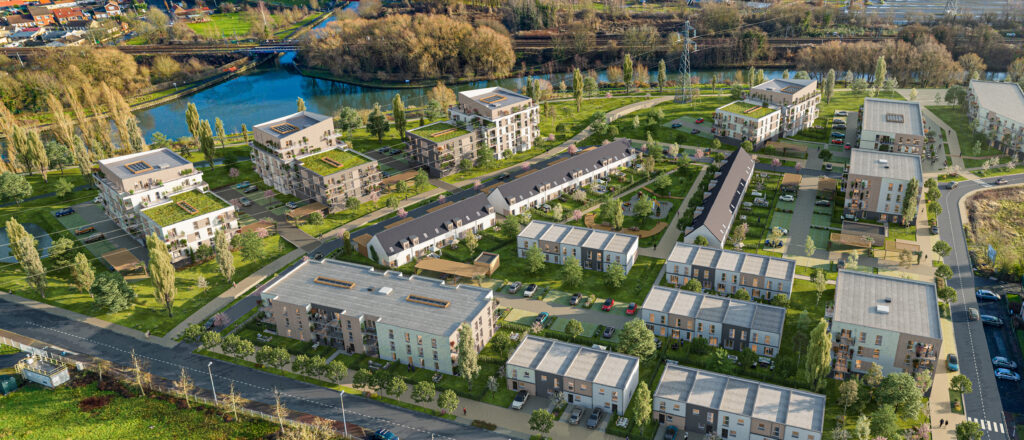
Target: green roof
744,109
336,160
439,132
177,210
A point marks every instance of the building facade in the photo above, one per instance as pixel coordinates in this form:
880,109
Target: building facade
411,320
889,321
713,218
592,248
300,154
726,271
443,146
796,99
733,408
747,120
997,109
589,377
890,125
187,220
876,184
724,322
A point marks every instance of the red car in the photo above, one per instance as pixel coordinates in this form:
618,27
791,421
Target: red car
837,141
847,146
631,310
607,306
699,120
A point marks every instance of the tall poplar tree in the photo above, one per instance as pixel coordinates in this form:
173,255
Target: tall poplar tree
662,75
468,365
577,88
830,85
398,114
222,251
627,71
300,104
819,355
192,120
82,273
162,272
23,248
880,72
219,126
206,142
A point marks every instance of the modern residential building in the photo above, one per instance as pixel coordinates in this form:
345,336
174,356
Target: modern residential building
160,191
890,125
747,120
417,237
593,248
733,408
726,271
876,184
997,109
722,200
893,322
411,319
589,377
722,321
536,188
442,146
796,99
300,154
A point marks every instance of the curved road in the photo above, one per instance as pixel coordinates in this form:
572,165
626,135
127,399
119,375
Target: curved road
984,405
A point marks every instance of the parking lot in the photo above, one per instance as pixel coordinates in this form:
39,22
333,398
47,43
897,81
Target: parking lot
1001,343
91,214
687,124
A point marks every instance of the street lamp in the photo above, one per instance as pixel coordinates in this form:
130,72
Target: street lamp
209,369
341,395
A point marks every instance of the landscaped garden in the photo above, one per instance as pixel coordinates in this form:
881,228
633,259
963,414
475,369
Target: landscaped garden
972,143
336,220
184,206
332,161
844,100
655,119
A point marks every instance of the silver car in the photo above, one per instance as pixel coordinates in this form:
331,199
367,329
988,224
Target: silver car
576,415
1002,362
1004,374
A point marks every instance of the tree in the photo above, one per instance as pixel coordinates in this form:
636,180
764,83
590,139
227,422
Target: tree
820,283
874,376
862,428
573,328
421,180
193,333
627,71
535,259
969,431
138,372
662,75
572,272
212,339
847,394
693,285
747,146
222,251
348,119
636,339
900,390
280,411
906,259
781,300
192,120
810,247
300,104
448,401
923,379
885,423
377,123
23,248
829,86
335,371
232,400
972,66
577,88
819,357
470,241
185,386
249,245
700,241
161,271
739,233
617,216
910,197
423,391
14,187
541,420
63,187
642,209
942,248
615,275
468,365
206,144
557,212
398,114
943,271
218,125
961,384
913,94
741,294
947,294
662,182
880,72
396,386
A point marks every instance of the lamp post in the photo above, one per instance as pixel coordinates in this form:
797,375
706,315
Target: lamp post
209,369
341,396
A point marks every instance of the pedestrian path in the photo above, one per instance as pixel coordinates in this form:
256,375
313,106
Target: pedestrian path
671,235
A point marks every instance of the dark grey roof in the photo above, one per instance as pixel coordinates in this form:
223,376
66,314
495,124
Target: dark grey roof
561,172
725,197
434,223
749,314
551,356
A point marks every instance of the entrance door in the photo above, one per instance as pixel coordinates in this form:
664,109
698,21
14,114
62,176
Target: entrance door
725,433
615,408
570,399
515,385
661,418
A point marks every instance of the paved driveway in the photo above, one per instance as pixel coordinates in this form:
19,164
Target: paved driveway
114,237
689,123
616,318
803,211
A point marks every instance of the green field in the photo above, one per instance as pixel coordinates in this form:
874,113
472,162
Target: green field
703,108
229,25
332,161
185,206
968,138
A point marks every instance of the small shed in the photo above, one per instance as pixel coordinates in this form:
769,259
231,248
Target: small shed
391,181
45,373
488,260
827,188
262,228
790,182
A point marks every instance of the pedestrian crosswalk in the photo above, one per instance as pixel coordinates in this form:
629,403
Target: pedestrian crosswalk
989,425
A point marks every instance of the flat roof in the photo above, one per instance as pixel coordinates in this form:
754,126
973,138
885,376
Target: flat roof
563,234
733,261
495,97
749,314
885,164
382,296
146,162
725,198
892,116
1003,98
748,109
433,224
912,306
438,131
589,160
288,125
772,403
185,206
332,161
575,361
788,86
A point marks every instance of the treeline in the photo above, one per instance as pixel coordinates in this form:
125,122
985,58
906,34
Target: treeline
401,47
927,62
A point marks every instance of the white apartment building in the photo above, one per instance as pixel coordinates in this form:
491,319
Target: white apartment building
747,120
594,249
189,219
876,184
589,377
890,125
504,120
997,109
796,99
726,271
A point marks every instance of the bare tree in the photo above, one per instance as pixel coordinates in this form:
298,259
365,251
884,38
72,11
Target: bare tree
139,373
185,385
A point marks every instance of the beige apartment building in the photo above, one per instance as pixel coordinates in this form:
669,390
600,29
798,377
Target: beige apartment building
300,154
797,100
876,184
442,146
746,120
997,109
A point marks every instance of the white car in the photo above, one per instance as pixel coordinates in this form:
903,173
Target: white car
756,194
787,198
530,290
1004,374
520,399
1002,362
97,200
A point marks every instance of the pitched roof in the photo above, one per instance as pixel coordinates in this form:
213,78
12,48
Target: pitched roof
748,314
887,303
892,116
593,365
732,261
556,174
725,198
1003,98
433,224
571,235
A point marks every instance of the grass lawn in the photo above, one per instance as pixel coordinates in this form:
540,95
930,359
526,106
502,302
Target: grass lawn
563,120
968,138
332,161
38,413
439,132
841,100
749,110
185,206
72,175
294,346
228,25
704,108
333,221
232,151
217,177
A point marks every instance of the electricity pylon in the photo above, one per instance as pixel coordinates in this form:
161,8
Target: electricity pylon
689,46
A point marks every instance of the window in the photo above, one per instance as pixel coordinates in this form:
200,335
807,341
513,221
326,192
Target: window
661,406
700,326
543,377
391,334
696,411
406,337
767,339
433,342
863,336
878,340
796,434
601,391
526,374
675,407
725,421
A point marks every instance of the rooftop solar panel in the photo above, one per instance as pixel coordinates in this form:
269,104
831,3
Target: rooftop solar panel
790,89
334,283
285,128
439,303
894,117
138,167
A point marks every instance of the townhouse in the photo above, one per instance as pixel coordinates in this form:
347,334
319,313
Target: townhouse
722,200
724,322
400,242
726,271
594,249
411,319
890,125
876,184
796,99
889,321
160,191
589,377
734,408
997,109
747,120
534,189
300,154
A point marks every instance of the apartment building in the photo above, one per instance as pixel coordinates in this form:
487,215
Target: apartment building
893,322
160,191
724,322
594,249
411,319
747,120
589,377
997,109
726,271
890,125
300,154
796,99
442,146
536,188
722,200
409,238
734,408
876,184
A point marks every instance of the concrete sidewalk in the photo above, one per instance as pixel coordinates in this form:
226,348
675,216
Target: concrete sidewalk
939,404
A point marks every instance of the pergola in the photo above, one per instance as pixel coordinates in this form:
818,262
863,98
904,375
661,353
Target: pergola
122,260
791,180
449,267
305,210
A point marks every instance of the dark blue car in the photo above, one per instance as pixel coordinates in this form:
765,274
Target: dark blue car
670,433
63,212
986,295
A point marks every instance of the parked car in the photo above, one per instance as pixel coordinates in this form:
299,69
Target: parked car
953,185
63,212
245,201
838,121
839,135
575,299
695,131
828,167
209,323
520,399
384,434
608,332
823,203
631,309
677,125
530,290
1002,362
543,316
575,415
514,287
94,238
699,120
1005,374
251,189
787,198
972,314
291,205
838,141
757,193
934,229
97,200
1002,181
242,185
670,432
992,321
608,303
952,363
594,419
841,112
839,127
85,230
847,146
986,295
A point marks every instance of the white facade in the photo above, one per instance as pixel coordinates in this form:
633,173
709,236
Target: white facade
400,244
890,125
508,124
741,127
194,231
594,249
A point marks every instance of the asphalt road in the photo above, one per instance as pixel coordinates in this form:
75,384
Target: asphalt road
251,384
986,404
